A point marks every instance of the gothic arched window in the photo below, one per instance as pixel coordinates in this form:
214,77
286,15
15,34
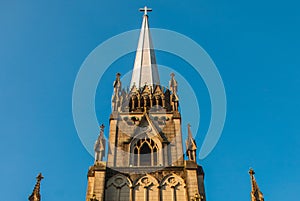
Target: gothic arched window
133,103
173,187
118,188
158,101
145,153
146,188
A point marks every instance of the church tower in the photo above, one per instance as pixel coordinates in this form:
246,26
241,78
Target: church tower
145,156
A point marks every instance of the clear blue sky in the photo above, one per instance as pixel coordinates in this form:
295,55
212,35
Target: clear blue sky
255,45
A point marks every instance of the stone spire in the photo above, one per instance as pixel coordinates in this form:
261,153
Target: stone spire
173,88
191,146
100,145
173,84
145,69
35,196
256,194
117,92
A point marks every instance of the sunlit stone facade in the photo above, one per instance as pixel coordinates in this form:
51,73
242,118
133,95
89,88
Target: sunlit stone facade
145,156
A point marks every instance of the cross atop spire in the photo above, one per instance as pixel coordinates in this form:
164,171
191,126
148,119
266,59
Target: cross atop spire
39,177
251,172
145,10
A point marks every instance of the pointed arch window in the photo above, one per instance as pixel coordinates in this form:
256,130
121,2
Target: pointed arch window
145,153
133,104
158,101
155,155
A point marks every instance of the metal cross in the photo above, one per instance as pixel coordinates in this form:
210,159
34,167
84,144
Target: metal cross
251,172
39,177
145,10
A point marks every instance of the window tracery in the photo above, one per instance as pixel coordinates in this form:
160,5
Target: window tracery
145,153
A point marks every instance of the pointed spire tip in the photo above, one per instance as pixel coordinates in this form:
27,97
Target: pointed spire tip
39,177
251,171
145,71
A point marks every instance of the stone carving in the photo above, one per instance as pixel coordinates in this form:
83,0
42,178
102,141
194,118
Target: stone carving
99,147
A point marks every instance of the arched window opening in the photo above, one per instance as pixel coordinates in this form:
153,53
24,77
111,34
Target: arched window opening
192,156
136,152
159,101
145,153
145,157
152,143
142,102
155,156
146,101
134,102
129,104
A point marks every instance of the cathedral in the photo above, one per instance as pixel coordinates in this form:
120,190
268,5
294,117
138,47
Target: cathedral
145,158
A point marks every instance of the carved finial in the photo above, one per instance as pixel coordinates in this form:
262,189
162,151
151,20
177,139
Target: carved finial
251,172
94,198
100,145
197,197
145,10
173,84
35,196
102,128
173,96
117,92
117,82
189,131
191,146
256,194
